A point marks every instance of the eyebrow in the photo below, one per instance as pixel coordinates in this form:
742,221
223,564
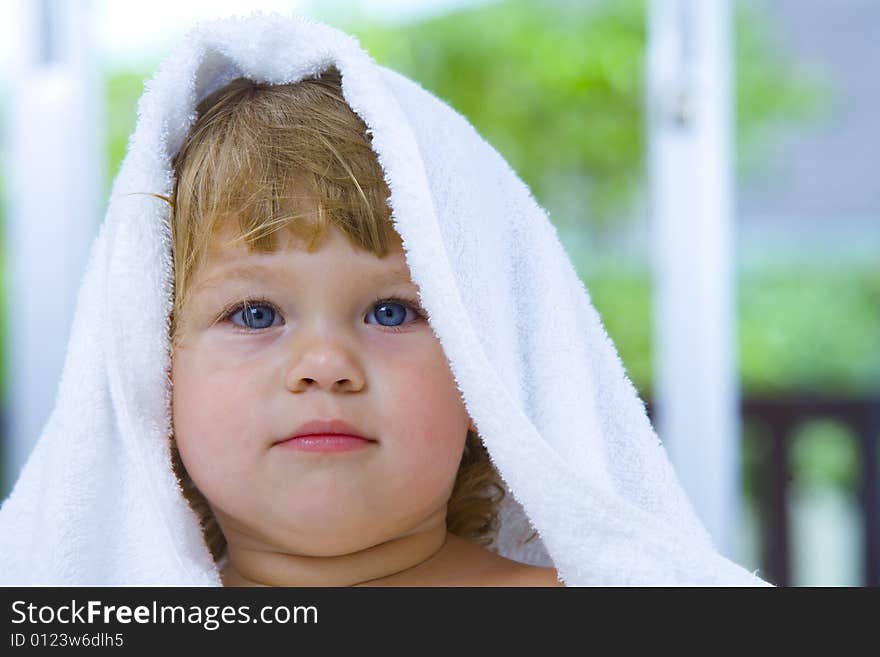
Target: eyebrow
257,271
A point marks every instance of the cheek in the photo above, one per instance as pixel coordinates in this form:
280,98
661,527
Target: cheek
210,432
429,419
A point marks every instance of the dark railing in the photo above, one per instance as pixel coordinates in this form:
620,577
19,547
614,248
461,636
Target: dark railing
781,416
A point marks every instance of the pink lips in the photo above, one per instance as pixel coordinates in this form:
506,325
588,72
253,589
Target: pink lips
326,443
326,436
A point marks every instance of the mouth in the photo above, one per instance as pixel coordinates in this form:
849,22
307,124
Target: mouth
326,436
326,443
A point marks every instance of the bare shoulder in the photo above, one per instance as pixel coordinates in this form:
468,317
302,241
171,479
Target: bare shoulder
521,574
488,568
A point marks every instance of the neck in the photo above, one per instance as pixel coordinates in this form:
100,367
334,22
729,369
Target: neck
392,562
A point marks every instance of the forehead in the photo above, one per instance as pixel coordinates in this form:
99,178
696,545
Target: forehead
267,271
334,256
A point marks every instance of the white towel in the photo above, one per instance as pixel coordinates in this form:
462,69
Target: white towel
97,502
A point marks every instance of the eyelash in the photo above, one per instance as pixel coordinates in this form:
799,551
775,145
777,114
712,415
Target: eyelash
238,306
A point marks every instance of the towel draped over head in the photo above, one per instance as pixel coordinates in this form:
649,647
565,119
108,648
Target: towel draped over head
97,502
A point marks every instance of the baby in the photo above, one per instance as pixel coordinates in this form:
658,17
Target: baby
318,431
258,344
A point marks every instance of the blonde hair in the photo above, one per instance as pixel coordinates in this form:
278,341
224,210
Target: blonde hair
261,155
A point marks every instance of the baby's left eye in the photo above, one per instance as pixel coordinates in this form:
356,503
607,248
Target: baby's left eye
394,312
253,316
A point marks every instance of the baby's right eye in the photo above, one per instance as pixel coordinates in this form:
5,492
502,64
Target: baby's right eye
253,315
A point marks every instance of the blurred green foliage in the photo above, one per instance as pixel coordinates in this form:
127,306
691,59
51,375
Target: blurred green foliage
801,329
825,454
771,90
810,329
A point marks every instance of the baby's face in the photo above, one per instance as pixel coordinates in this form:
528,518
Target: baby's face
317,342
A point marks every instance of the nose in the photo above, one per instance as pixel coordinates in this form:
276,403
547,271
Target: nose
325,365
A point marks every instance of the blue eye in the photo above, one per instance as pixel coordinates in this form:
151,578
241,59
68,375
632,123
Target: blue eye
394,312
254,316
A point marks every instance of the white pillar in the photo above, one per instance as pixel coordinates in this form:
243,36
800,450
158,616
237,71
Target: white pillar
55,171
690,126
